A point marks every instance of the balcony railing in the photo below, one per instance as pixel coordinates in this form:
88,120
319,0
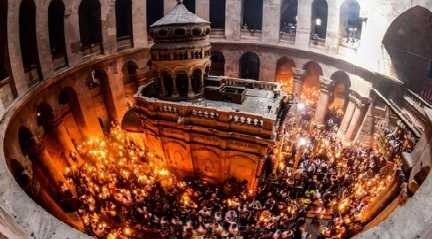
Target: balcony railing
317,41
351,43
93,49
288,37
32,74
124,42
250,84
217,33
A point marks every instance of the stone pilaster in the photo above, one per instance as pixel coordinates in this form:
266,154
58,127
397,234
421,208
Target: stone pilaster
271,20
347,117
332,38
304,16
298,83
366,131
358,116
72,34
139,23
109,28
233,19
43,44
323,103
203,8
168,5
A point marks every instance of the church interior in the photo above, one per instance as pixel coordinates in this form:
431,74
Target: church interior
202,119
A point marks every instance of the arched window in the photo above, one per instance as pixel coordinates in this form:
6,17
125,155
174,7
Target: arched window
319,19
28,41
90,24
197,81
288,22
249,66
155,11
27,142
124,23
217,14
252,14
350,21
4,62
56,11
190,5
284,74
218,64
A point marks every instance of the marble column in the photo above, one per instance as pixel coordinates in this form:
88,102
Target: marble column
162,84
298,83
323,104
347,117
333,25
271,20
72,35
304,16
355,121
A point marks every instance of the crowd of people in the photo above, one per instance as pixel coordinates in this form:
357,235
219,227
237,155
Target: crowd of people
316,188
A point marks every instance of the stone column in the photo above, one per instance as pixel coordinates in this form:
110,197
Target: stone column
298,83
233,19
323,103
202,81
191,92
304,16
271,20
356,120
347,116
174,90
117,93
203,8
139,22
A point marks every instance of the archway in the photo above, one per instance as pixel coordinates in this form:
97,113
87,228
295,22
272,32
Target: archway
288,21
190,5
249,66
45,117
90,25
284,74
319,19
56,12
252,14
410,56
350,21
27,144
218,64
182,84
340,86
311,83
217,14
155,11
197,78
124,23
28,41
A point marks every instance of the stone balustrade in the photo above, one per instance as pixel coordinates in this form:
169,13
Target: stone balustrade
249,84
